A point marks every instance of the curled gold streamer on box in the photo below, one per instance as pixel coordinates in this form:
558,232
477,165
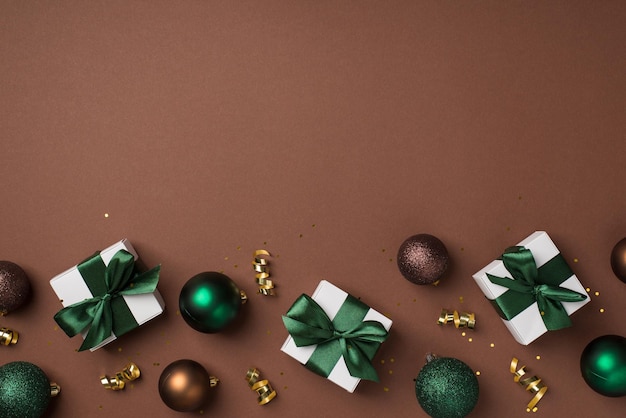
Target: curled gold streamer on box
533,384
8,336
460,320
118,382
261,266
263,388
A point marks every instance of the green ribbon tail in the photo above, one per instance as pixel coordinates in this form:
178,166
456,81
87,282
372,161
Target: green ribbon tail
144,282
75,318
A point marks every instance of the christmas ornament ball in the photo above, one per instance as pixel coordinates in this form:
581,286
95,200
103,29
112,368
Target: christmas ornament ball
618,260
446,388
422,259
14,287
184,385
603,365
209,302
24,390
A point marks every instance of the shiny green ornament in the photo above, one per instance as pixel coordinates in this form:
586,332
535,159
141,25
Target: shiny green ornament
603,365
210,301
24,390
446,387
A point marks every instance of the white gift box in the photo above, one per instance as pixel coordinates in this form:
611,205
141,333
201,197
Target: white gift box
330,298
528,325
71,288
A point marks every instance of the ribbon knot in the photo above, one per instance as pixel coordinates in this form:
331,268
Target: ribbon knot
106,312
531,284
308,324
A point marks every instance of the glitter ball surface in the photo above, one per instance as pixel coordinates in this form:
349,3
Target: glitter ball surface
14,287
24,390
422,259
446,388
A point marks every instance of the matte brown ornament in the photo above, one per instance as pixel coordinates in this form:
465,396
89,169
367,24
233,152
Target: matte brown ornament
14,287
422,259
618,260
185,385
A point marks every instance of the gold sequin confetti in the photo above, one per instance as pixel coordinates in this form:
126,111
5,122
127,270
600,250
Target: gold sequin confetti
470,340
532,384
261,267
575,260
597,293
477,373
460,320
263,388
118,382
106,215
8,336
392,359
386,389
492,345
601,310
538,357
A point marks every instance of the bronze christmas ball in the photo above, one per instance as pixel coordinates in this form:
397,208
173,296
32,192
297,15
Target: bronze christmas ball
185,385
618,260
422,259
14,287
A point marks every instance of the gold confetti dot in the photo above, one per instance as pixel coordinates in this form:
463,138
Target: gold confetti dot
390,371
56,328
269,332
386,389
383,250
99,406
178,312
285,387
597,293
282,373
601,310
390,260
168,342
156,364
538,357
235,265
49,342
382,362
477,373
460,299
119,349
264,242
587,289
463,334
392,359
225,258
106,215
398,303
414,299
575,260
313,226
542,313
470,340
300,235
492,345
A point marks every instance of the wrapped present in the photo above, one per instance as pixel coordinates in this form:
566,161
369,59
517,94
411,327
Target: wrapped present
532,288
105,296
335,335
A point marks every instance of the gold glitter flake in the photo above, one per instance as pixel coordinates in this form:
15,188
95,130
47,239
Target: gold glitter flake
588,289
470,340
492,345
106,215
538,357
386,389
477,373
597,293
575,260
601,310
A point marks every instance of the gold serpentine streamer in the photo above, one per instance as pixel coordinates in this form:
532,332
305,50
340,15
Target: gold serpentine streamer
8,336
263,388
118,382
460,320
532,384
261,266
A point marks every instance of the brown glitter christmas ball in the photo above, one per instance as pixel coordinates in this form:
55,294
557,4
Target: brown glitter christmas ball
422,259
14,287
185,385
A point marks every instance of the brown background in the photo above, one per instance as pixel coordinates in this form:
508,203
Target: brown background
327,133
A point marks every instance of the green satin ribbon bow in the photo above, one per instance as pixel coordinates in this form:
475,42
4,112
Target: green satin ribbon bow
347,334
532,284
106,311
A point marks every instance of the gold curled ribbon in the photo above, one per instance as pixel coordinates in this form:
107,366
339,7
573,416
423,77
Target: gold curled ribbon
55,389
263,388
8,336
118,382
532,384
460,320
261,266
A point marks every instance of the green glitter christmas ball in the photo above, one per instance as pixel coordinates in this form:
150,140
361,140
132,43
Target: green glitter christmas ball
24,390
446,388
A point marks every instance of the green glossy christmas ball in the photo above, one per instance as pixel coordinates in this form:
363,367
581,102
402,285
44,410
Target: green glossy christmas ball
446,388
603,365
24,390
210,301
